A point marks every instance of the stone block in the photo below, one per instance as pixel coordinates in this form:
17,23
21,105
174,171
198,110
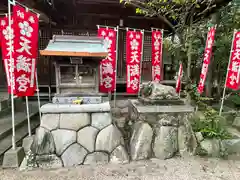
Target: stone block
29,162
166,142
233,132
236,122
124,112
122,103
27,143
187,142
74,155
116,112
96,158
141,140
89,142
75,108
150,118
108,139
211,147
161,108
199,136
74,121
120,122
50,121
167,120
50,161
13,158
43,142
119,156
63,139
101,120
231,146
69,99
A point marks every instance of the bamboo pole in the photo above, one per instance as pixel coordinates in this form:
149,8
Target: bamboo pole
224,90
28,117
141,60
115,89
11,75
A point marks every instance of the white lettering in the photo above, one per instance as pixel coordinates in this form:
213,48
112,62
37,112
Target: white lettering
135,83
107,68
107,82
233,79
24,45
20,14
134,44
23,64
134,57
236,54
134,70
23,81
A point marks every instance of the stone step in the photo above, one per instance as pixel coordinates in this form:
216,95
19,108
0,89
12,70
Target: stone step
21,126
21,133
20,118
3,104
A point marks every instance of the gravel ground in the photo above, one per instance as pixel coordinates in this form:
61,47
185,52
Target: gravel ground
172,169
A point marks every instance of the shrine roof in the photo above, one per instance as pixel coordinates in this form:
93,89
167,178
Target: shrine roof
83,46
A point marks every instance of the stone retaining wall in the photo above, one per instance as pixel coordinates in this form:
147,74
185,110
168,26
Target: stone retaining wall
79,134
72,135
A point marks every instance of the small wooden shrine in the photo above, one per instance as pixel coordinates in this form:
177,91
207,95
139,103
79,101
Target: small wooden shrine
76,60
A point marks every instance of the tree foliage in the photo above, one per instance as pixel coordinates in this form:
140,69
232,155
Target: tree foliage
176,12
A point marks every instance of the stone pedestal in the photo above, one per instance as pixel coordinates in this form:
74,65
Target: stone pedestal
27,142
160,131
13,158
79,134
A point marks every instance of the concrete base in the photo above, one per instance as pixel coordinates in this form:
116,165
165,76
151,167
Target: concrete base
13,158
27,142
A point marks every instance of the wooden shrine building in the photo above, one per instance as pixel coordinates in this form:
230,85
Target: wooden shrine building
81,17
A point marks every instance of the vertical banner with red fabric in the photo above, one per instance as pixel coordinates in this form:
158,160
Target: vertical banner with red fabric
133,60
26,48
232,79
8,34
207,58
179,78
157,43
107,70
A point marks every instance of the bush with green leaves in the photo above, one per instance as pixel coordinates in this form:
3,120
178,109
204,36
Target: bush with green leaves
212,125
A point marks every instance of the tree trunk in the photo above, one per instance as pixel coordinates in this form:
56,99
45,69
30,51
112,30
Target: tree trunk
209,80
189,54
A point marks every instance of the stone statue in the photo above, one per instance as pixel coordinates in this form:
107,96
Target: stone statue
154,91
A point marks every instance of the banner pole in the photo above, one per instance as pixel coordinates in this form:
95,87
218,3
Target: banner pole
38,95
115,89
224,90
28,117
141,60
161,65
11,74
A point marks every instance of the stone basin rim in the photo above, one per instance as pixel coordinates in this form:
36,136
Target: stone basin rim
52,108
161,108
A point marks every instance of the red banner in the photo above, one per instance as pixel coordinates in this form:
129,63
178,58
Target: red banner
179,78
133,60
232,80
207,58
8,34
26,47
107,72
156,54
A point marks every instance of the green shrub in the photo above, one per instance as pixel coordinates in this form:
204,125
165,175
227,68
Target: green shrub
212,125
